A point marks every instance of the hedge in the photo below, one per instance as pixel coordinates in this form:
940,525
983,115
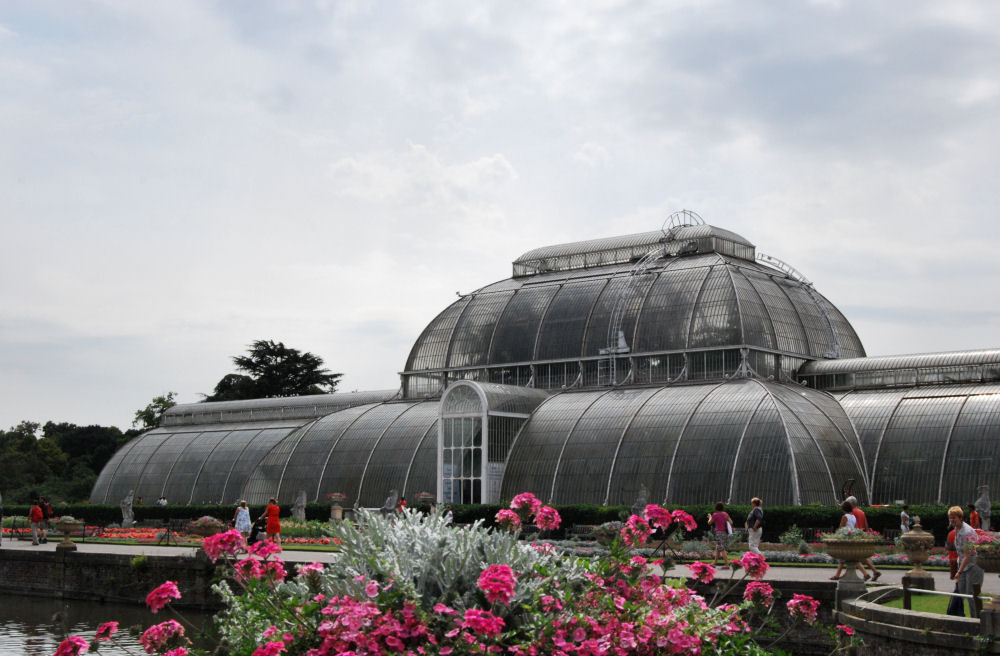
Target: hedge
777,520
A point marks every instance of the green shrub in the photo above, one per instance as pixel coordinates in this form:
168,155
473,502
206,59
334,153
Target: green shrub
792,537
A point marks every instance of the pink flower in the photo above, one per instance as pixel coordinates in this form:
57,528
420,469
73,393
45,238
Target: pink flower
444,610
684,518
759,593
157,637
497,581
223,543
248,568
274,570
548,519
508,520
526,505
316,568
71,646
550,604
263,549
270,649
703,572
803,607
105,631
658,516
180,651
755,565
482,622
162,595
636,531
371,589
846,629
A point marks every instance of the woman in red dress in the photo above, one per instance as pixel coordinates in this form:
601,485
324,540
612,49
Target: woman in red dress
273,529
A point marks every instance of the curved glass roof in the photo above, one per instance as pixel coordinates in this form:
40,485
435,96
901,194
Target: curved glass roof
679,304
928,444
288,407
189,464
362,451
687,444
895,362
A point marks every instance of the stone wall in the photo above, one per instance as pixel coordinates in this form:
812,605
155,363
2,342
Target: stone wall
897,632
106,577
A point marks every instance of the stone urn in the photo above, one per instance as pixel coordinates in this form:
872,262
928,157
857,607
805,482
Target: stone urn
917,542
66,527
336,510
851,552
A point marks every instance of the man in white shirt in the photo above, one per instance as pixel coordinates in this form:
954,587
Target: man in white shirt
970,574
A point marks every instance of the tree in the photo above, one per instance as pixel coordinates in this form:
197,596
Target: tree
149,417
271,369
92,446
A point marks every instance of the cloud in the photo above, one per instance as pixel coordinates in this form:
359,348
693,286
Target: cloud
182,179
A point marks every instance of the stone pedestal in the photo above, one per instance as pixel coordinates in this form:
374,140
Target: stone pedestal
851,552
850,587
336,512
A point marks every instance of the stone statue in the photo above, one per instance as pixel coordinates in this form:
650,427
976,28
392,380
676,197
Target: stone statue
128,519
299,508
389,506
639,507
983,506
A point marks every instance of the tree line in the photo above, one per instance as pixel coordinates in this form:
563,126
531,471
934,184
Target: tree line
61,461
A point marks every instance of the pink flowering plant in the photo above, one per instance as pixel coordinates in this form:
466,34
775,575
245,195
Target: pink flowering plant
985,541
413,584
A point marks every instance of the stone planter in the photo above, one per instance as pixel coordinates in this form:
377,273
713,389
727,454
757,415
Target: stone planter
917,542
989,561
850,551
66,527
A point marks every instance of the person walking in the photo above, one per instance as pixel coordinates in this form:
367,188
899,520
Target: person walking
973,514
848,520
272,512
955,605
755,525
904,520
241,520
722,524
862,523
47,513
970,574
37,519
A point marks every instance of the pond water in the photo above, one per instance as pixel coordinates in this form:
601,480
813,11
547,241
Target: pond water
32,626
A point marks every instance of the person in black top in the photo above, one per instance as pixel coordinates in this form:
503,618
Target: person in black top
755,525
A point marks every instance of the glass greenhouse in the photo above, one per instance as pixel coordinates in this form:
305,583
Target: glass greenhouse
680,362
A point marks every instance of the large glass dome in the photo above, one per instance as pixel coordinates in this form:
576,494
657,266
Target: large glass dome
663,307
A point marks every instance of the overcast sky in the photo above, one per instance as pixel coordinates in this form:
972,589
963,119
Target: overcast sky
178,179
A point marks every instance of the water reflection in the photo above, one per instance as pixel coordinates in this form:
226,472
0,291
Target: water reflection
31,626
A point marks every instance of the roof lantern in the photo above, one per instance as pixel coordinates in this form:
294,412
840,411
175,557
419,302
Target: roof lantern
683,233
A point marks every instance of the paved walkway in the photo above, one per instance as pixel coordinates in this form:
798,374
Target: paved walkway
292,555
890,577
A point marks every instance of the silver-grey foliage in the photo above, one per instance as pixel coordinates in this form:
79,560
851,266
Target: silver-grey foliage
427,559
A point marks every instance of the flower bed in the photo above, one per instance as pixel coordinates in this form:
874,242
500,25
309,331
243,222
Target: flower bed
438,589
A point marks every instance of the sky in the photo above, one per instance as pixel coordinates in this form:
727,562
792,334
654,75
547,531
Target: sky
180,179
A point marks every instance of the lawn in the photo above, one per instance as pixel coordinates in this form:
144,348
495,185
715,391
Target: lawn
926,603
